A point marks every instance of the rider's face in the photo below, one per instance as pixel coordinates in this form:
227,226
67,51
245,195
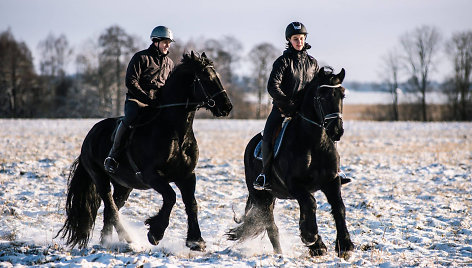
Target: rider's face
164,46
298,41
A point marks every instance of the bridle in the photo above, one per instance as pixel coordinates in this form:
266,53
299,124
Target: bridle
327,119
209,101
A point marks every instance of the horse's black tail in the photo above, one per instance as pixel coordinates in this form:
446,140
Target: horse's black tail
82,205
255,220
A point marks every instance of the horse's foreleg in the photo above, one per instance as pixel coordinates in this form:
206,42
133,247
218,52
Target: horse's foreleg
343,240
308,226
194,237
158,223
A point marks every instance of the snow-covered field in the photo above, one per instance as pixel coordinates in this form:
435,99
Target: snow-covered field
409,205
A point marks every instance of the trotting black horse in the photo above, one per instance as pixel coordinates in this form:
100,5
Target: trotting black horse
307,162
162,150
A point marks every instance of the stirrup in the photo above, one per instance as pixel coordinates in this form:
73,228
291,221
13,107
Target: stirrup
344,179
112,164
258,186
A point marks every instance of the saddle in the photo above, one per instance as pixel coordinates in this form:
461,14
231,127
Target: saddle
277,144
277,141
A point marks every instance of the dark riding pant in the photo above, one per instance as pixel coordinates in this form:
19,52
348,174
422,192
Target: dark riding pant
131,114
274,120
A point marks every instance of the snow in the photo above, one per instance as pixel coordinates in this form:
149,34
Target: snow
409,204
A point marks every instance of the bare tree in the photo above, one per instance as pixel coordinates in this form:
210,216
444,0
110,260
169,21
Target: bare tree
459,47
116,49
55,56
225,53
392,66
421,46
261,56
18,81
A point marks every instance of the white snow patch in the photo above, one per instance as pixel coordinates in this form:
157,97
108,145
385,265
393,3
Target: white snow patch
409,203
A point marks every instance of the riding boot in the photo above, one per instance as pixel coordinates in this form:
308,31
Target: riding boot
262,181
110,163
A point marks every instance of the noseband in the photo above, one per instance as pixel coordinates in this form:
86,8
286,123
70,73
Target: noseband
328,118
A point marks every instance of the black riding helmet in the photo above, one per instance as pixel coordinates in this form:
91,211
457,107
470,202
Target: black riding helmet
295,28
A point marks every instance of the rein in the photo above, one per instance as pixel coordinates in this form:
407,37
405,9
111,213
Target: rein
209,98
209,101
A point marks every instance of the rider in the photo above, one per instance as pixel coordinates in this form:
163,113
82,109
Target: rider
290,73
147,72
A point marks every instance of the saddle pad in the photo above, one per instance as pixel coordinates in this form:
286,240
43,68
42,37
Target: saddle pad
277,144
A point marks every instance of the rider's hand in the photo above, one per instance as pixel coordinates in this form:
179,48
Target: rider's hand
153,103
290,109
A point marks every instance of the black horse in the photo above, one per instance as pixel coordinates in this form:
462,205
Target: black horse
163,149
307,162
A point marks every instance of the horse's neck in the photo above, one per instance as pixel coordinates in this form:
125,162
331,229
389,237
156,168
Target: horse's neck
177,115
310,126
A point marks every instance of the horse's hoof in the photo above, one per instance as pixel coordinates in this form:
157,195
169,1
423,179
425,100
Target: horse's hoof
198,245
152,239
318,248
346,255
344,249
125,238
316,252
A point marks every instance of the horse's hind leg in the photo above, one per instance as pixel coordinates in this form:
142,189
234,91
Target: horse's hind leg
273,230
120,195
110,212
308,226
343,240
194,237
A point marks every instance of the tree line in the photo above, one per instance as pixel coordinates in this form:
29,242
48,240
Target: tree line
409,65
96,88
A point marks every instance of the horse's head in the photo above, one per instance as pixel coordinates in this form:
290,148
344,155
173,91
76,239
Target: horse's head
328,94
206,86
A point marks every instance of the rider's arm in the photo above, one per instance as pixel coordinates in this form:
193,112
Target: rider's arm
274,85
133,74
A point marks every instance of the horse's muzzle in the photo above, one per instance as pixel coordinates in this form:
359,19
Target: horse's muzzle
336,130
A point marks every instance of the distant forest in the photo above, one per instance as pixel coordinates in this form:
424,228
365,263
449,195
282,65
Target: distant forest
96,88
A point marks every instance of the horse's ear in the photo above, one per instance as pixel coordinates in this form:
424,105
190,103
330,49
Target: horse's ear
341,75
192,54
204,55
321,72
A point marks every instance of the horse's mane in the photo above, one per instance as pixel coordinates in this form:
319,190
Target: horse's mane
324,72
328,70
193,61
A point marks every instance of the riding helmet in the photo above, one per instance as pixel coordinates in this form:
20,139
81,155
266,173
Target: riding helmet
162,32
294,28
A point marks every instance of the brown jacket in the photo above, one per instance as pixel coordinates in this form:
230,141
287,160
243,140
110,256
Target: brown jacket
147,72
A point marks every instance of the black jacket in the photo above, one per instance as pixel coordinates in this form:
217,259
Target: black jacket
290,73
147,72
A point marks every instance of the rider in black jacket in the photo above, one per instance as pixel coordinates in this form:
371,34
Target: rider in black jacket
290,73
147,72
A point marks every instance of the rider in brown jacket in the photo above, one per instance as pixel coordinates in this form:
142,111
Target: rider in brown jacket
147,72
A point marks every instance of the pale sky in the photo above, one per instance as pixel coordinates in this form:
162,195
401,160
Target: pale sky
354,34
